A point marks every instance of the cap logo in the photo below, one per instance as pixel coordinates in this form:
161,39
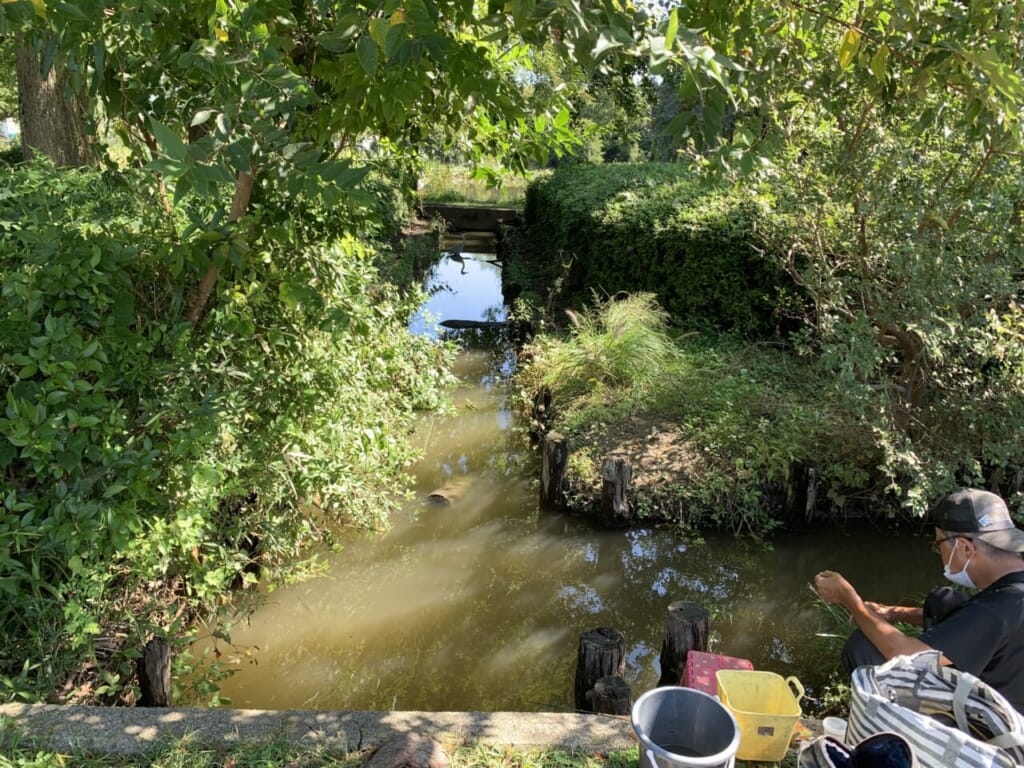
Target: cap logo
983,521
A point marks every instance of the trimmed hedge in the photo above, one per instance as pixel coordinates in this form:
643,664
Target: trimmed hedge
653,228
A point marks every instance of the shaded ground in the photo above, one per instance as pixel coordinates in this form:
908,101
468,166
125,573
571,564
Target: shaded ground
658,450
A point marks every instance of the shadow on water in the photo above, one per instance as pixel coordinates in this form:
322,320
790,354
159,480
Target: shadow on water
478,604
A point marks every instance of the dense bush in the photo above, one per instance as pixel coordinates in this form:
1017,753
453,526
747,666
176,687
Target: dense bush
911,332
653,228
149,464
916,322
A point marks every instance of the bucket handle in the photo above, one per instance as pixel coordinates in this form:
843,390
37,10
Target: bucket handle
796,687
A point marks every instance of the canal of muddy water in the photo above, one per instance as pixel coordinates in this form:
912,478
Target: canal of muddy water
478,604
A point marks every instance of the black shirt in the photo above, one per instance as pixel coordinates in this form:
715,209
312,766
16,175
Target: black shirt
985,636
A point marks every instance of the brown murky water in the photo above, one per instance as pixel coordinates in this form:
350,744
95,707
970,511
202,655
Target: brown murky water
478,604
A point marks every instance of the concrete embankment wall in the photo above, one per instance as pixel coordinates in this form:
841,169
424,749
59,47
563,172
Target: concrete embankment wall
124,731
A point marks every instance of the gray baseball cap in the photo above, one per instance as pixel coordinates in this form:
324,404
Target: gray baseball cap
981,515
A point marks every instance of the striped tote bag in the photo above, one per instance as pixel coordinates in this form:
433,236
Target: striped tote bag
950,718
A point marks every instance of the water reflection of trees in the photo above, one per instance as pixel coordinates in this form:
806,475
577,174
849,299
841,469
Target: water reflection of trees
480,604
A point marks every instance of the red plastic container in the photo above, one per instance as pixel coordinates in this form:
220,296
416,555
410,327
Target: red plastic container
700,669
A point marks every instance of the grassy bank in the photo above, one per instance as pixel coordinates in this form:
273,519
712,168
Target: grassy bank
188,753
711,423
445,183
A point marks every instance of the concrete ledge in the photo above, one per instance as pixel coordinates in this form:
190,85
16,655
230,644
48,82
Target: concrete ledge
124,731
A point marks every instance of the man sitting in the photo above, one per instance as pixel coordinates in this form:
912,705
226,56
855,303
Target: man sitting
983,634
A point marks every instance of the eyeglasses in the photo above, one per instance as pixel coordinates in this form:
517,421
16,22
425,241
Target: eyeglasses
934,545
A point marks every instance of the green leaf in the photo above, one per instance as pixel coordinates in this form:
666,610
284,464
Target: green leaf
206,476
848,47
395,39
72,10
879,61
604,45
8,452
369,54
169,141
202,116
99,53
672,28
113,489
342,174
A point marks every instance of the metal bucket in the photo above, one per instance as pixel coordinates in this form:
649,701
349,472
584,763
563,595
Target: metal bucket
684,728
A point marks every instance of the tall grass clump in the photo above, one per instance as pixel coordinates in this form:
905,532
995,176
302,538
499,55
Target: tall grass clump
620,346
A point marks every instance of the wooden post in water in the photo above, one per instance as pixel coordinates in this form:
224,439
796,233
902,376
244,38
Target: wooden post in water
552,473
610,695
154,672
801,493
615,477
602,653
687,627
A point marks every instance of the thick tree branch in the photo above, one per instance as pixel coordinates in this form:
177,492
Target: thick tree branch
915,369
239,205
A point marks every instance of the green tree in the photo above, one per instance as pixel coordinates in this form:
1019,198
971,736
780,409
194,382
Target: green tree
896,135
216,97
201,365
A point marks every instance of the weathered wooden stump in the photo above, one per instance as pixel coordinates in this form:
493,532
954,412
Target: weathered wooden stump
409,750
610,695
552,473
687,627
602,653
615,477
154,672
801,492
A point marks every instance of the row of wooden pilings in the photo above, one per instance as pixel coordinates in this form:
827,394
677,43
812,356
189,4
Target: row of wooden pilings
798,502
601,661
615,475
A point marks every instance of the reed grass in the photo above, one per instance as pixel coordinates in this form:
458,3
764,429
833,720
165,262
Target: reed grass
621,348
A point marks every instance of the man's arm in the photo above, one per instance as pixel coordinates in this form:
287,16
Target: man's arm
905,614
889,640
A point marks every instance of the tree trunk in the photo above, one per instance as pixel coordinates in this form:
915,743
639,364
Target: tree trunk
51,121
615,477
801,493
554,462
239,205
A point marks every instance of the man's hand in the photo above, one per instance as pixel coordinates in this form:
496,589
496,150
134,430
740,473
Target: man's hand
869,618
886,612
893,613
833,588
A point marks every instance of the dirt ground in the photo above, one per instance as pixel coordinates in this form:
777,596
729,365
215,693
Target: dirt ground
659,452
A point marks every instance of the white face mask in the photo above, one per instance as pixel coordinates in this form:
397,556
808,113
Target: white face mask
961,577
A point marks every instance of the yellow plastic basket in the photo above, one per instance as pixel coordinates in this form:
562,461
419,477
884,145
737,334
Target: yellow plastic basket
765,708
